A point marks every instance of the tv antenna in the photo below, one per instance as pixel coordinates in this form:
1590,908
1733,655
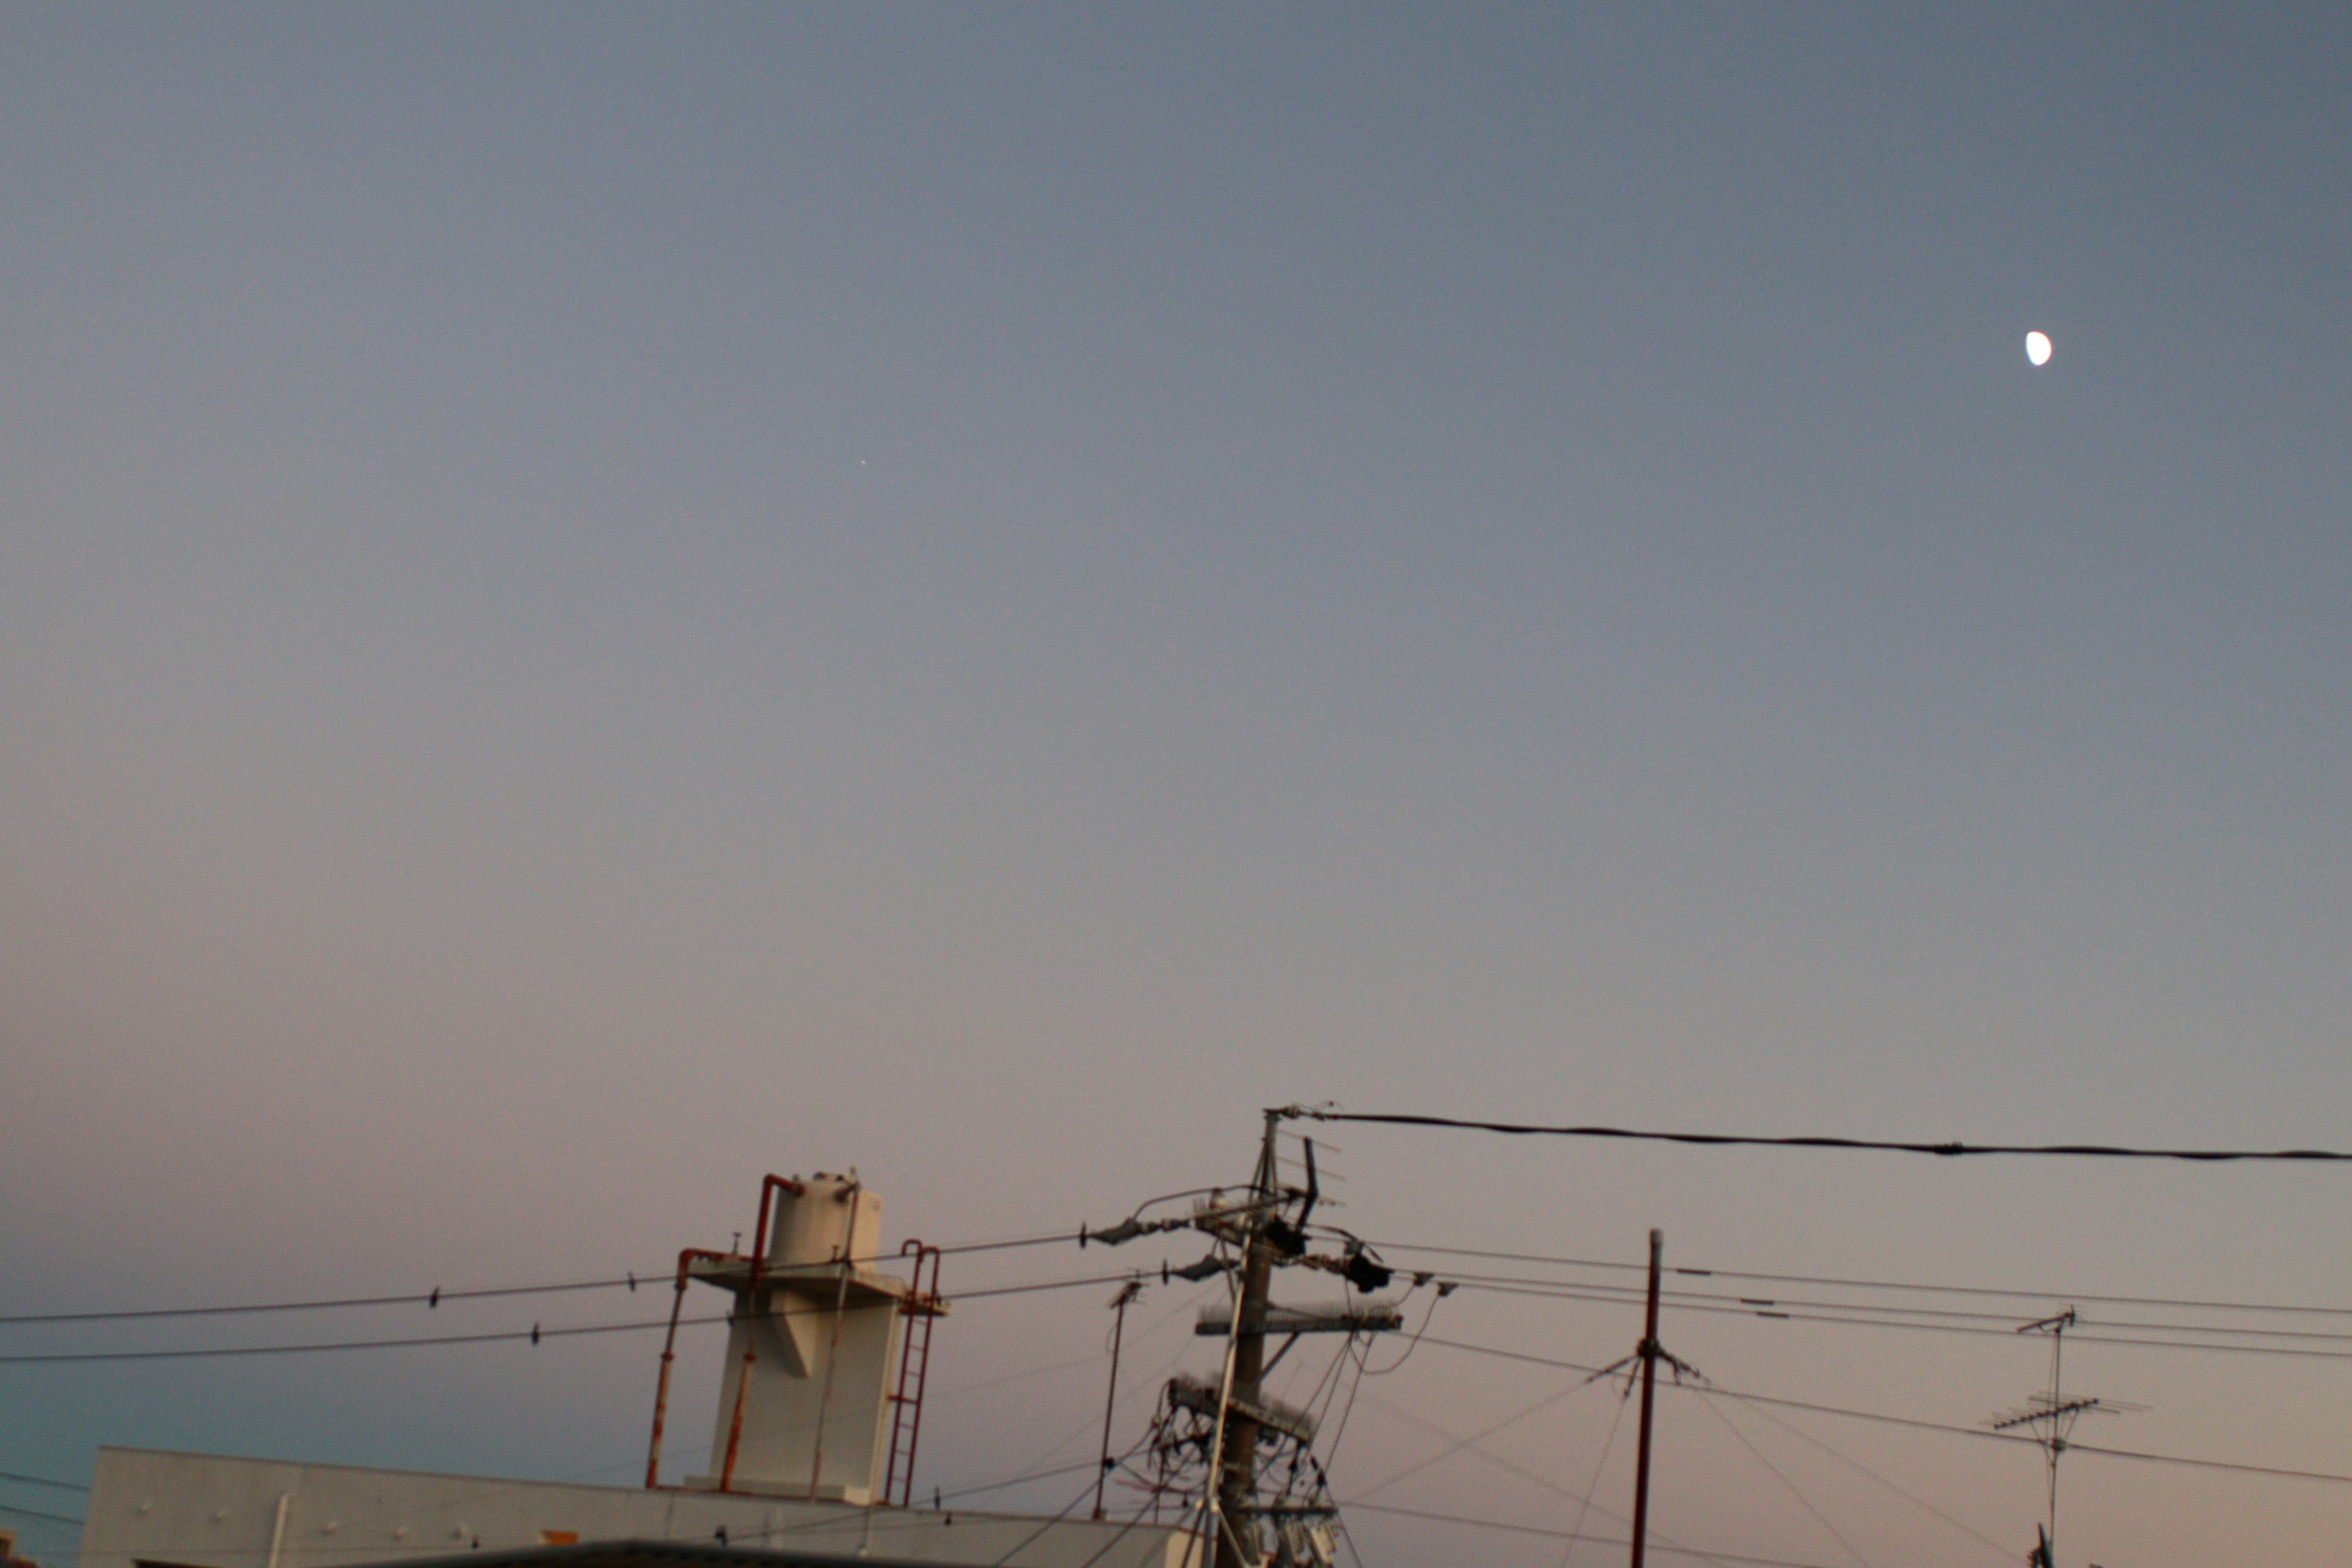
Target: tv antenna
2051,1418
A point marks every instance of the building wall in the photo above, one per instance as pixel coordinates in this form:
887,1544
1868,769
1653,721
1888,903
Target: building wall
200,1511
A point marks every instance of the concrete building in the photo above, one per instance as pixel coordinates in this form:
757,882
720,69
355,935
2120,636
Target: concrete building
149,1509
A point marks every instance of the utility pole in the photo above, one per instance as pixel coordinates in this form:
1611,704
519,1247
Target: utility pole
1235,1475
1648,1352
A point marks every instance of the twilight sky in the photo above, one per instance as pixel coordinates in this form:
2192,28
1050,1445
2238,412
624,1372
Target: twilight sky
596,602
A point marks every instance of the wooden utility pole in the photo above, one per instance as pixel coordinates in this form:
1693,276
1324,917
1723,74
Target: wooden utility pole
1235,1473
1649,1354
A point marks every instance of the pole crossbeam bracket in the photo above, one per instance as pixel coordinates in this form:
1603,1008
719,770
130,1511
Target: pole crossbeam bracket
1343,1317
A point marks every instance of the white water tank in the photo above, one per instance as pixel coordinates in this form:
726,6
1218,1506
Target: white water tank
831,1219
806,1407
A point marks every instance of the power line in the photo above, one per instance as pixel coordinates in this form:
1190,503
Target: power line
1915,1422
1563,1535
2025,1295
1510,1257
36,1513
1046,1285
1546,1483
435,1296
428,1298
1721,1140
1856,1465
533,1334
1616,1419
1634,1294
1780,1306
1783,1477
1057,1517
43,1481
2105,1301
1776,1314
1828,1313
1000,1245
1070,1470
1458,1444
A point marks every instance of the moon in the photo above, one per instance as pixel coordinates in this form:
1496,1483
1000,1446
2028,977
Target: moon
2037,349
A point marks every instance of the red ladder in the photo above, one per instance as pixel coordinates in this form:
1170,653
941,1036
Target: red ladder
922,1305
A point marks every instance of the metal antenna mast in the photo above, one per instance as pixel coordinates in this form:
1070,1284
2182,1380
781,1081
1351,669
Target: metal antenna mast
2051,1416
1126,1294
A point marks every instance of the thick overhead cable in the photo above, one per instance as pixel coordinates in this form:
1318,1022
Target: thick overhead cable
43,1481
2093,1151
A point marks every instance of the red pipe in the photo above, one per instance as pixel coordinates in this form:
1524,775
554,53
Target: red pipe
751,1306
669,1353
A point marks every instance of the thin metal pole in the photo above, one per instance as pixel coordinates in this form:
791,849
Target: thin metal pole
1649,1396
2057,1442
1128,1292
669,1354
